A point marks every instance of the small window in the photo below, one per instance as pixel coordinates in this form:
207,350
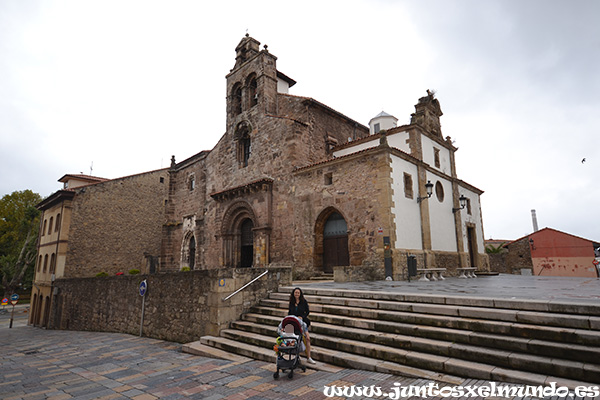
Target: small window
245,148
469,206
408,186
328,179
439,191
39,268
376,128
436,157
50,225
162,180
45,263
57,225
192,183
44,228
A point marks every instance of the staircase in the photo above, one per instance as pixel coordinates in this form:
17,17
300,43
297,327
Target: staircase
435,337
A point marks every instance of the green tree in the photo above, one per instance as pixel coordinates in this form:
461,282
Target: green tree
19,228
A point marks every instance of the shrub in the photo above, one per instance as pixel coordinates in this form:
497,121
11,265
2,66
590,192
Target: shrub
134,271
101,274
185,269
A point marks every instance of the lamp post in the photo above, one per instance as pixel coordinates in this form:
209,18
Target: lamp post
463,203
429,189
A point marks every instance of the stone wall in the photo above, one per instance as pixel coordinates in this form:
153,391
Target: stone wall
358,273
518,256
116,225
498,263
353,192
179,306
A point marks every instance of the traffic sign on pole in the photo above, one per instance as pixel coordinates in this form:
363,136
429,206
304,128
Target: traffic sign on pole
143,288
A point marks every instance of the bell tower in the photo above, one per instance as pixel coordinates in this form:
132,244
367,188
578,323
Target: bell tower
251,84
427,114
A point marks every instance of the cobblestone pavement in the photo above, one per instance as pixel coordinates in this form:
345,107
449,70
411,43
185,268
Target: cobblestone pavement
57,365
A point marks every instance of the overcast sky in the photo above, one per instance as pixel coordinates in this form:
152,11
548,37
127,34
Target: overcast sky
116,87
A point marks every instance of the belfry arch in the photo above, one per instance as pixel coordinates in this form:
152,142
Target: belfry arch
331,240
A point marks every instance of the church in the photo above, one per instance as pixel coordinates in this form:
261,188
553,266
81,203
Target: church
292,182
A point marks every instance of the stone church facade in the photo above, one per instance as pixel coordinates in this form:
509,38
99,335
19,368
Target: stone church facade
294,182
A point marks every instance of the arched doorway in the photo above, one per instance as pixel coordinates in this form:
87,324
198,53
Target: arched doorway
239,223
33,311
46,312
246,243
331,241
192,255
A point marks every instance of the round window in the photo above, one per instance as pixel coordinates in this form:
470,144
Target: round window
439,191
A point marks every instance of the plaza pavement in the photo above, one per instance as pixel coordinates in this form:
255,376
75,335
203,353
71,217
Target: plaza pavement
503,286
48,364
58,365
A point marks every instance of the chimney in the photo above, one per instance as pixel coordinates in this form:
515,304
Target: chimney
534,220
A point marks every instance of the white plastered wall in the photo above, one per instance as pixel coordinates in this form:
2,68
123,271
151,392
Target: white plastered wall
441,217
405,211
429,157
396,140
473,218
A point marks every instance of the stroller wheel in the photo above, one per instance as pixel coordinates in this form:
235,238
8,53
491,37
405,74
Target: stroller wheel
291,374
276,375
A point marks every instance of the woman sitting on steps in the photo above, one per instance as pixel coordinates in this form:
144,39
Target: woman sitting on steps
299,307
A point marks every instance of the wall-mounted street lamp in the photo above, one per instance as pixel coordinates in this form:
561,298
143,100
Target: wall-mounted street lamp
429,188
463,203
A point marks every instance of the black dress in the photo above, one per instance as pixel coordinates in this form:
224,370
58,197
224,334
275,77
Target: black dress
301,310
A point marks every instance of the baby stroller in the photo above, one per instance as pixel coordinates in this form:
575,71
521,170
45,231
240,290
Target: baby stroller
289,345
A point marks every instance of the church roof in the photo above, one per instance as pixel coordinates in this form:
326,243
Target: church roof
382,114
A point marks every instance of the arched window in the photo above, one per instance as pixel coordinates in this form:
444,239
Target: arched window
244,144
245,148
45,263
40,264
236,98
53,263
44,228
50,226
57,226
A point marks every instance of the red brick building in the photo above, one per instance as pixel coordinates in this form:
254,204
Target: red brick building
549,252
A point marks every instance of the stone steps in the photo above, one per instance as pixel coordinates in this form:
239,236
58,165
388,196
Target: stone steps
424,352
435,337
425,339
387,321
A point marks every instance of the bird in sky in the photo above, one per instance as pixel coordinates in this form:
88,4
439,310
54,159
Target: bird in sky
582,161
